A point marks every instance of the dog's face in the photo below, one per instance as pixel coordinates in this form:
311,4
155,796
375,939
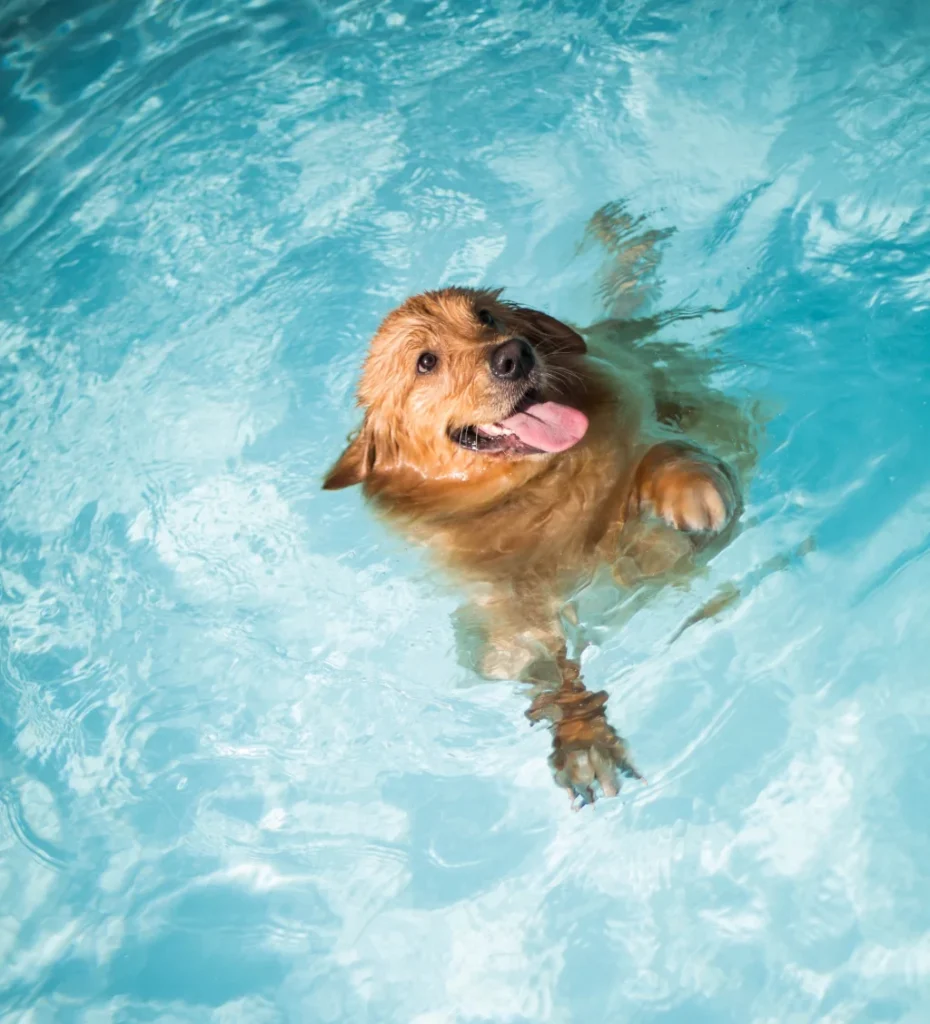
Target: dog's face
456,382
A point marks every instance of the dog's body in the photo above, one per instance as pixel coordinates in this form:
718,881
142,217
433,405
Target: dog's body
496,435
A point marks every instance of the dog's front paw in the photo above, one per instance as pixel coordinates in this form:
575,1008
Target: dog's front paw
587,757
698,499
690,491
587,754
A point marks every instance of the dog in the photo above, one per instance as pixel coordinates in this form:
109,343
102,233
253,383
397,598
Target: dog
527,456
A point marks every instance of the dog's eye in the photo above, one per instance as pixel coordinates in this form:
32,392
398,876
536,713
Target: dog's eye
427,362
485,317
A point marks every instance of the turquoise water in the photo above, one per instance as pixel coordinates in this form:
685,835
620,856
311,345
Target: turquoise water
242,778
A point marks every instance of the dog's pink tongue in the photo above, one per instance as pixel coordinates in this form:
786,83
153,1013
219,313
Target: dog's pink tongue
548,426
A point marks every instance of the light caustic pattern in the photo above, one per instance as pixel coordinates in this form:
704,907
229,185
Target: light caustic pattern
242,776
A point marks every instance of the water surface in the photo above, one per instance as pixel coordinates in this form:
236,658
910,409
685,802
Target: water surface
241,774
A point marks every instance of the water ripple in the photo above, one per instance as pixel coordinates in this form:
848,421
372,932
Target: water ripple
242,775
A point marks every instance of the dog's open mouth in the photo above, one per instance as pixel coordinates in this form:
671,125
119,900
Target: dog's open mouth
534,427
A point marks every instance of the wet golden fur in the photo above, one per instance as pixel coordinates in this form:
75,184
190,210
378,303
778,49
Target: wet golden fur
646,487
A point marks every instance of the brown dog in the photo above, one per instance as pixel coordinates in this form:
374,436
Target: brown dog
496,435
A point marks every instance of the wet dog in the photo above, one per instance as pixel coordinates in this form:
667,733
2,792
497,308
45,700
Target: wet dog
527,455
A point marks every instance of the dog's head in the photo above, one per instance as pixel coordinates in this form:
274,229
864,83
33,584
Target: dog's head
458,382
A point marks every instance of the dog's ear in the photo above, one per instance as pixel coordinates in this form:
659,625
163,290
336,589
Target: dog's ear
355,463
549,334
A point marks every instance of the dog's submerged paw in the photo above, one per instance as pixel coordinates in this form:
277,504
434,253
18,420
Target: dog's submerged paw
589,762
699,501
588,757
690,491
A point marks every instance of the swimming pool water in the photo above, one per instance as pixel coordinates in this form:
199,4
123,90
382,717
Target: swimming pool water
242,777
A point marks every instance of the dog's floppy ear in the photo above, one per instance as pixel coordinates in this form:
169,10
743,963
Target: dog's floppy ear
355,463
548,333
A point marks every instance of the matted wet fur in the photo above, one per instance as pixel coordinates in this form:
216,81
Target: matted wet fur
458,391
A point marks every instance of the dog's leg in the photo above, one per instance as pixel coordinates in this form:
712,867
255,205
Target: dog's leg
687,487
586,749
628,277
524,641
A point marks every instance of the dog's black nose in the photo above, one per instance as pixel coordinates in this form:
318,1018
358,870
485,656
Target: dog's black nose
513,360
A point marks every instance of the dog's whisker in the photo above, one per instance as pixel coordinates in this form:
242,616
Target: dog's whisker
561,375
